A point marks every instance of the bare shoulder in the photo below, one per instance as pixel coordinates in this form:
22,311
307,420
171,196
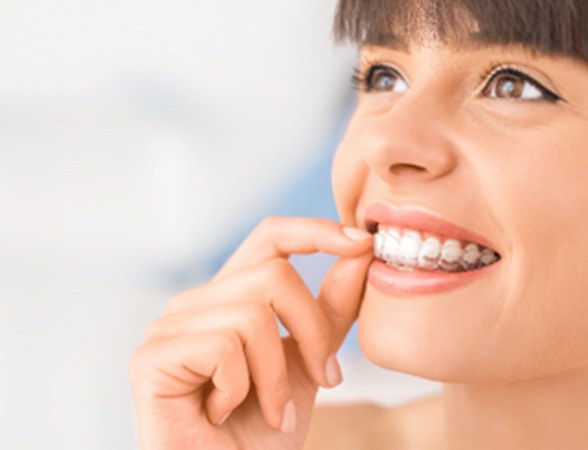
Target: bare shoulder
417,425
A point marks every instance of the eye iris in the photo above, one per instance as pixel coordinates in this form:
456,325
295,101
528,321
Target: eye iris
382,81
509,87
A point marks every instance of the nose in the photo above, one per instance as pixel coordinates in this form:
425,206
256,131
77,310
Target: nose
411,142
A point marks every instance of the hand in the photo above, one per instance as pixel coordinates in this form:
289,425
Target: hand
214,373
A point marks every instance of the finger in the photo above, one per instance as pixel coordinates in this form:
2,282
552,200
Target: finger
163,371
256,326
341,293
282,236
276,284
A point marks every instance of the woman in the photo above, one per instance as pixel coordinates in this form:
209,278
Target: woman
462,192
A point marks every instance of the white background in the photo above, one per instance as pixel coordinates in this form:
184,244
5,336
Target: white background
135,139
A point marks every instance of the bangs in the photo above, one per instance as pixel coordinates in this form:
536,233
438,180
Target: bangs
558,27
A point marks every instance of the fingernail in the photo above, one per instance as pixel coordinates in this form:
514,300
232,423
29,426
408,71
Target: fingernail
224,419
356,234
289,418
333,371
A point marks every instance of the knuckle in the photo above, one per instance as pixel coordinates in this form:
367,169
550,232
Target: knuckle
153,331
270,221
260,315
267,225
228,343
181,301
279,269
175,303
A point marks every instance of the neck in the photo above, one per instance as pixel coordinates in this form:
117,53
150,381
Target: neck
547,413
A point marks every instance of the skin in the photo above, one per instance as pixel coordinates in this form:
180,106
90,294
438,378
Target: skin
200,360
510,347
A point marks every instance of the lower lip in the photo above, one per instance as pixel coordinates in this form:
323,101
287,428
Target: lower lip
398,283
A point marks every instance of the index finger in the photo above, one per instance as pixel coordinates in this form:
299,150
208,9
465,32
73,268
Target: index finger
280,237
341,293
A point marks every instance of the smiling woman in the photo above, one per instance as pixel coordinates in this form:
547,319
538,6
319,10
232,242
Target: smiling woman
461,188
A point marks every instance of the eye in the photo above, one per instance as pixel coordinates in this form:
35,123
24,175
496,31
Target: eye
380,78
509,83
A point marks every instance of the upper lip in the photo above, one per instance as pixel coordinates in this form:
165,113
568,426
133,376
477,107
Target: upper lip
419,219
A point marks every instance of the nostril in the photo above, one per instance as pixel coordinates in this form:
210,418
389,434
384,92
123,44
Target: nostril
407,170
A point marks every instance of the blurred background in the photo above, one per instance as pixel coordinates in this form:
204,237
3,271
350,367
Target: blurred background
139,144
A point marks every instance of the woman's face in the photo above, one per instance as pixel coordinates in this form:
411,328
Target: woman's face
472,144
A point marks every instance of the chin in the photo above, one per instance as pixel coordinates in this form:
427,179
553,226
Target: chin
453,356
424,361
435,339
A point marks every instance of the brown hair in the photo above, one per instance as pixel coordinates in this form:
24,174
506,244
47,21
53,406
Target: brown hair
551,26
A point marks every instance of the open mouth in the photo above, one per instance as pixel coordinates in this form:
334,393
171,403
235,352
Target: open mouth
409,249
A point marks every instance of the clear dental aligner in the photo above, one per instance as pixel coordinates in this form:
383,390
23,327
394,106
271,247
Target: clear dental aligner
407,249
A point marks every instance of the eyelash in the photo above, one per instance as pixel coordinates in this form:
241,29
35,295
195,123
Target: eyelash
495,72
361,81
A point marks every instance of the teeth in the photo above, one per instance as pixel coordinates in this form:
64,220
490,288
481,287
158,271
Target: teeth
407,250
429,254
471,257
391,245
379,244
488,257
410,245
450,254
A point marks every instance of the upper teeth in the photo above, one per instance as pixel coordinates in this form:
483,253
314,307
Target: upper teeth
406,249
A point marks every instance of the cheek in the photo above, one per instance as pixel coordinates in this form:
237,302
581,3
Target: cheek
550,254
531,318
542,199
542,193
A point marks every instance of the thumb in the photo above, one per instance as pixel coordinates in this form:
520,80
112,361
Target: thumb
341,293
